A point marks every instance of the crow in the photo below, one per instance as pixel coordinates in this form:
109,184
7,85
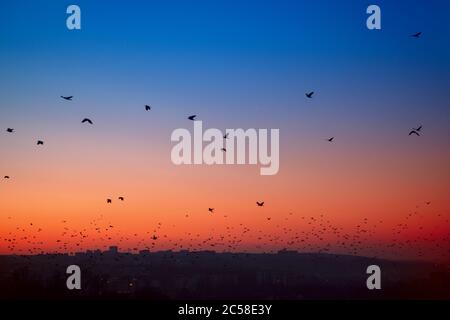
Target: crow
192,117
6,177
211,210
121,198
40,143
108,201
331,139
69,98
148,108
10,130
87,120
309,95
260,204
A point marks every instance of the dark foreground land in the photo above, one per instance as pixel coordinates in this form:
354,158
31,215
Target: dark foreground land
209,275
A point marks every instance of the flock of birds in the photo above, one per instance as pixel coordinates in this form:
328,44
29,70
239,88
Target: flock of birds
291,231
415,131
322,235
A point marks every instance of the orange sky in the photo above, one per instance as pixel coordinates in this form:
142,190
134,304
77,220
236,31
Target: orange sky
65,184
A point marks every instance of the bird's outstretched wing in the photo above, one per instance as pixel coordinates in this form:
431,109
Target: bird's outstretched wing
414,132
87,120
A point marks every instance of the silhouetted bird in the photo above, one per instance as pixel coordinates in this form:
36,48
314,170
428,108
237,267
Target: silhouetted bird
6,177
211,210
10,130
69,98
40,143
428,203
121,198
416,35
260,204
224,150
154,238
148,108
192,117
108,201
331,139
226,136
86,120
309,95
414,132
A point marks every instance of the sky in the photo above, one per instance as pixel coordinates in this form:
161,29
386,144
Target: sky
235,64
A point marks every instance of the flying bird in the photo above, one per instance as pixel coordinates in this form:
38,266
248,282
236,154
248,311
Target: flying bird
69,98
309,95
331,139
416,35
87,120
154,238
108,201
148,108
10,130
211,210
226,135
224,150
121,198
192,117
260,204
40,143
414,132
6,177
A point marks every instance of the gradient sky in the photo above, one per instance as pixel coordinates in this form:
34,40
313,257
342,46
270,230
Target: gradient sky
236,64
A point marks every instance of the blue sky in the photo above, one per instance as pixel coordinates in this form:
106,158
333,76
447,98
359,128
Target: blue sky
220,59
